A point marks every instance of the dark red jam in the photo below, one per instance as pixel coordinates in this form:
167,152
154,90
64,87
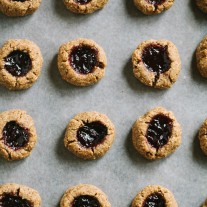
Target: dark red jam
156,2
91,134
15,136
83,1
159,130
18,63
154,200
10,200
83,59
86,201
156,58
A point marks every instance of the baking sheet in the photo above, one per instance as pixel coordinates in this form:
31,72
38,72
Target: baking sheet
121,173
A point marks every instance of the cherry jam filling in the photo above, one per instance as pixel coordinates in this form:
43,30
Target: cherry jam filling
156,2
156,58
91,134
86,201
159,130
83,1
15,136
10,200
18,63
83,59
154,200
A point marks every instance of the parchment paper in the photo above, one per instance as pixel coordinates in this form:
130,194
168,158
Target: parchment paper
121,173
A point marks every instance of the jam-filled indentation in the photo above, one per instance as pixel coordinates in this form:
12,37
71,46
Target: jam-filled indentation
156,2
154,200
18,63
159,130
83,59
15,136
82,1
86,201
156,58
10,200
91,134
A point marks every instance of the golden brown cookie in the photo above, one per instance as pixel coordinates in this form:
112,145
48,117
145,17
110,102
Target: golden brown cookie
203,137
153,6
19,7
154,196
18,135
12,194
156,134
205,204
85,6
20,64
89,135
81,62
84,195
156,63
201,57
202,5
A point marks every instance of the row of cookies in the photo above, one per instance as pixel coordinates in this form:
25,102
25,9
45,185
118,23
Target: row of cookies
89,135
82,62
148,7
85,195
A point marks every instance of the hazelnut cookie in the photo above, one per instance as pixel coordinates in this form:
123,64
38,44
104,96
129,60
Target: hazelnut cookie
85,6
81,62
156,63
203,137
20,64
89,135
19,7
156,134
18,135
12,194
201,57
84,195
154,196
202,5
149,7
205,204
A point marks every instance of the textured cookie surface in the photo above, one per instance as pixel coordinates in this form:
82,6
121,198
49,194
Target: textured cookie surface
201,57
12,195
156,134
205,204
17,134
84,195
154,196
203,137
149,7
19,8
84,6
81,62
20,64
156,63
89,135
202,5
